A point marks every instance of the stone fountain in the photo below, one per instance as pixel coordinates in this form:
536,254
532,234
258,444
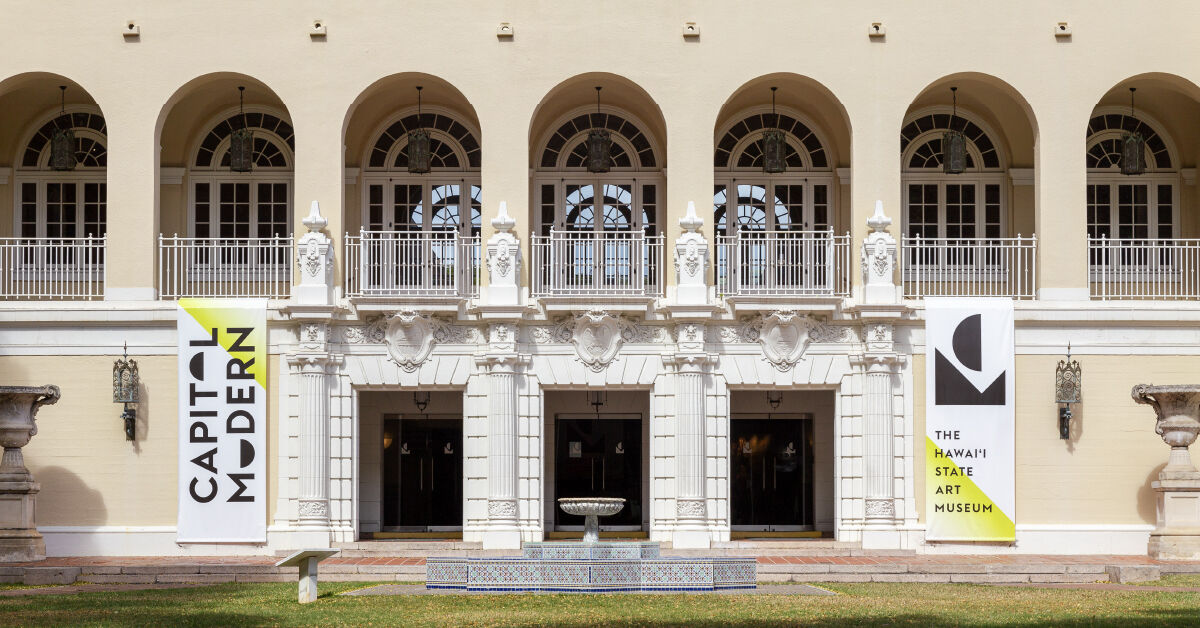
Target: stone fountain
1177,532
593,566
19,538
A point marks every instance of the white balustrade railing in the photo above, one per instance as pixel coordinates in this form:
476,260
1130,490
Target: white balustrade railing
996,267
597,263
412,263
225,267
52,268
783,263
1167,269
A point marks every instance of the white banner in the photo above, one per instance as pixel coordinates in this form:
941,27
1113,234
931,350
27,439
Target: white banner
969,419
222,421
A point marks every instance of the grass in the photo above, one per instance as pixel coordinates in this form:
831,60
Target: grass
1174,580
860,604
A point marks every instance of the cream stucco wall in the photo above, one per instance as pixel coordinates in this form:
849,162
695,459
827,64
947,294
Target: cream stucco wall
155,90
92,476
1102,474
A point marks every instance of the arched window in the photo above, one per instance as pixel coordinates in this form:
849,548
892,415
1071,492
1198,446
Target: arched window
956,206
1129,207
798,199
447,198
625,198
63,204
255,204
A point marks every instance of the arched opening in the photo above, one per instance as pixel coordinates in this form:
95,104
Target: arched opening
226,186
598,160
1141,160
53,151
413,189
967,175
780,142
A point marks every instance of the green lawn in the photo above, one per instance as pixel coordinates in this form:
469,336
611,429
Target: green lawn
869,604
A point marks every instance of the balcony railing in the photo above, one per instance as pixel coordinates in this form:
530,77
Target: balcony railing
783,263
994,267
412,263
1167,269
231,267
52,268
597,263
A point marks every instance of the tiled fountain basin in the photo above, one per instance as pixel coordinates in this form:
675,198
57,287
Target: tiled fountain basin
590,568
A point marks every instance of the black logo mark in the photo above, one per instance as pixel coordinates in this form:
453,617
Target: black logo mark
951,387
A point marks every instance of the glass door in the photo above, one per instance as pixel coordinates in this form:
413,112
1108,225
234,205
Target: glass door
422,469
771,474
599,457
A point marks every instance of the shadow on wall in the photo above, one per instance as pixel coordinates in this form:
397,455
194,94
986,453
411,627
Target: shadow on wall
85,504
1147,501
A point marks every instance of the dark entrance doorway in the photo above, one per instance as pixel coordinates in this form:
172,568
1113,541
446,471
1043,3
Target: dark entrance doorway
422,473
599,457
771,479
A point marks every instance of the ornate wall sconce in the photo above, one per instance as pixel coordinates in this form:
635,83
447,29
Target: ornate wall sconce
774,397
125,391
597,398
1067,385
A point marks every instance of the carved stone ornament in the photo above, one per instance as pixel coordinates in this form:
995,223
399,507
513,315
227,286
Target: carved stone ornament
313,335
880,508
746,331
826,332
690,508
502,508
371,333
559,333
632,331
313,508
597,337
784,336
879,337
409,339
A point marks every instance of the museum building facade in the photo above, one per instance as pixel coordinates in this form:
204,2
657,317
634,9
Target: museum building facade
684,263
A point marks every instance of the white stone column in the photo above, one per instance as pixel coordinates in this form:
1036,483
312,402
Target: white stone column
878,439
314,441
503,529
691,508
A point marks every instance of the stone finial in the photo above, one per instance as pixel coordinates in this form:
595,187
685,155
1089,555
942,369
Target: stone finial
315,221
691,223
503,222
879,222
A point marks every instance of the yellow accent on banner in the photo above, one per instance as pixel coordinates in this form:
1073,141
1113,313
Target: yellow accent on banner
961,526
223,314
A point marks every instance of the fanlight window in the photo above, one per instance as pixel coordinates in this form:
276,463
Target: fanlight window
90,152
266,153
750,156
929,155
570,138
445,133
1104,145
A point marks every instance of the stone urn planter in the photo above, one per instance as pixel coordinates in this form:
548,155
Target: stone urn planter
591,508
19,538
1177,408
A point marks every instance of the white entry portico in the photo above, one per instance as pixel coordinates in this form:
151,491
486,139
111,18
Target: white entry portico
678,374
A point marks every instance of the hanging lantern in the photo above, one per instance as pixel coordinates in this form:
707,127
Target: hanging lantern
954,144
774,144
62,141
417,151
599,145
125,391
241,142
1067,383
1133,146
